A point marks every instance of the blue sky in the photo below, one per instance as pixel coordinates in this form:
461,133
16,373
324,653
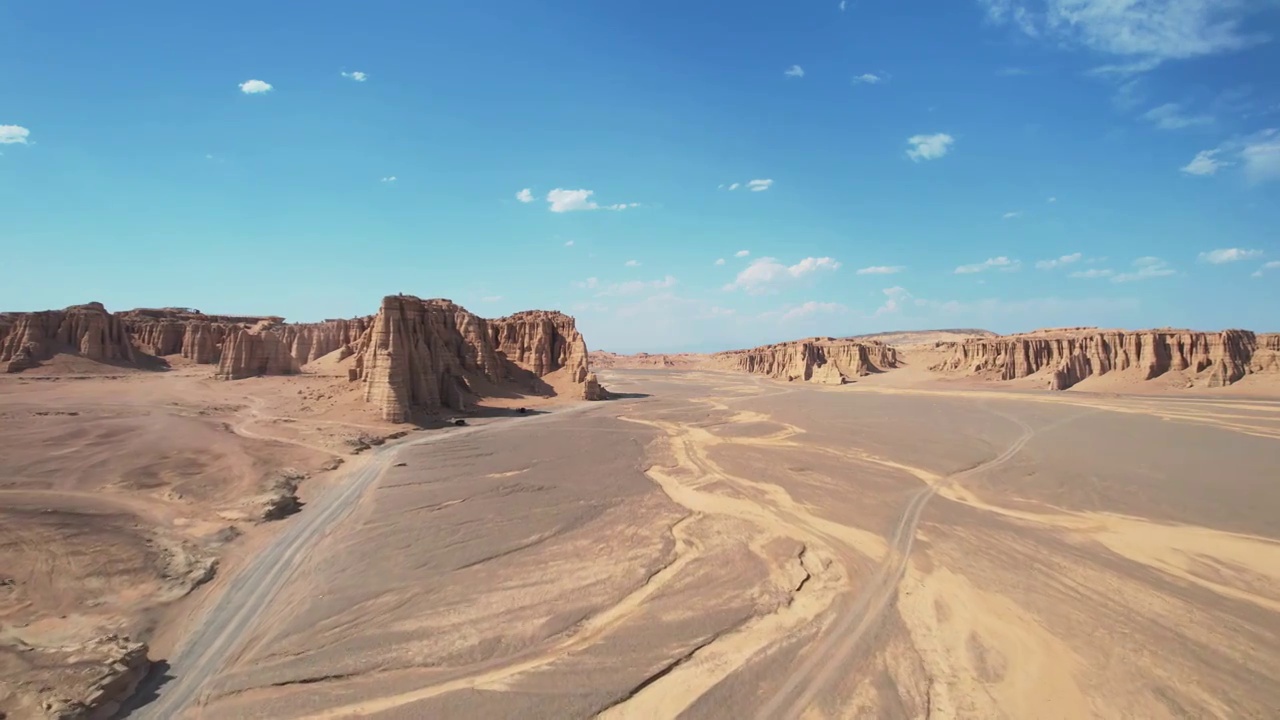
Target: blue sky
699,175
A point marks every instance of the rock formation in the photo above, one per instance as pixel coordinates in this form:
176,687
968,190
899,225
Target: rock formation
1069,356
433,354
79,681
541,342
88,331
820,360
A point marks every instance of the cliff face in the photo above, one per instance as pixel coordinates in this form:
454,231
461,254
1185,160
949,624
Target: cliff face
541,342
1221,358
180,331
827,361
433,354
423,354
85,330
253,352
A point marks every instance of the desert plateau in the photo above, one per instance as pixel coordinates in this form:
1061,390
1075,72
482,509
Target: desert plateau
424,513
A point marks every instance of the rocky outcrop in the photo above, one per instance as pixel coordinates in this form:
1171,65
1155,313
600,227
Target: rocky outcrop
541,342
88,331
430,355
253,352
819,360
85,681
423,354
1066,357
592,389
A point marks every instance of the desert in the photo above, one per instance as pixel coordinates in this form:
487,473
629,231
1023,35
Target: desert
424,513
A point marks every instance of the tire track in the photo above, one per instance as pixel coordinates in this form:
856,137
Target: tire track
829,655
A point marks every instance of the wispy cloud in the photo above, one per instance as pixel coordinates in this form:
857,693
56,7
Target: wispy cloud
867,79
1171,116
719,261
809,309
255,87
562,201
894,299
880,270
568,243
14,135
767,274
1059,261
929,147
1093,273
1227,255
1012,72
1272,265
388,179
794,71
844,4
760,185
996,263
1012,214
1145,269
630,287
742,253
1052,200
355,75
1257,154
633,263
1140,33
525,195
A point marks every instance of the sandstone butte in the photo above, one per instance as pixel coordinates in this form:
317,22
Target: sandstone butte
1071,355
826,360
412,355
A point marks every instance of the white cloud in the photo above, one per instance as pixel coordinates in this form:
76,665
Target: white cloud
491,298
767,274
1272,265
742,253
794,71
562,201
929,147
1053,200
735,186
894,298
999,263
880,270
843,5
1227,255
1147,32
1205,163
13,135
1093,273
356,75
1170,116
255,87
633,263
720,261
388,179
1059,262
809,308
1146,268
525,195
1011,215
1261,157
867,79
760,185
568,243
631,287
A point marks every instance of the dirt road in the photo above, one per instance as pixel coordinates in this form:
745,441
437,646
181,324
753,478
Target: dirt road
229,620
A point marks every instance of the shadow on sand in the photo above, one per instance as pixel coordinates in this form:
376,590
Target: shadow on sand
148,690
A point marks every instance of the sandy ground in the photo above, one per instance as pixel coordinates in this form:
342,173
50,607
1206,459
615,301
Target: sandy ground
722,546
128,497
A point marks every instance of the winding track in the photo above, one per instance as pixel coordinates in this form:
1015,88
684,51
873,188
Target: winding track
830,654
251,590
